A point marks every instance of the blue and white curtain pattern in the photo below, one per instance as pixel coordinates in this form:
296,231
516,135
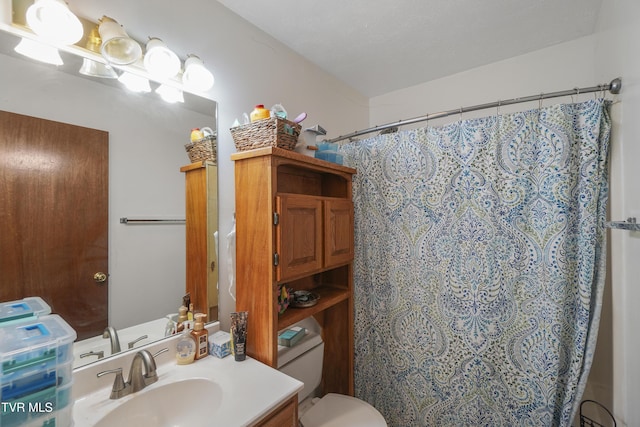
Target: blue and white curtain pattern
479,268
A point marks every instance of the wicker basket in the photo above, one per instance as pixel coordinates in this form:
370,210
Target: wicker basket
203,149
272,132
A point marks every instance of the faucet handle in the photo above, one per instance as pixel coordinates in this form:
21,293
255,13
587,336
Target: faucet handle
158,353
100,354
132,343
119,387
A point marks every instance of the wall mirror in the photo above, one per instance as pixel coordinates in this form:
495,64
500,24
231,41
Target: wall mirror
146,138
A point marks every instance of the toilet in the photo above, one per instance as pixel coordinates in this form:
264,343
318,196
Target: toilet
304,363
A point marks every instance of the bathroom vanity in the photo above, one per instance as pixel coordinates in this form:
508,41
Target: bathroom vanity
294,228
210,391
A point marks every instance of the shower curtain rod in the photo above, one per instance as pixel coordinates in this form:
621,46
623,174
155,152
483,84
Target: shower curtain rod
613,87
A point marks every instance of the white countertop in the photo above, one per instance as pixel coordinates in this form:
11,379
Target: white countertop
250,389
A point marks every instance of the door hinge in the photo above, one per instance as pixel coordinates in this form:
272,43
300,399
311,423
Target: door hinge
276,218
276,259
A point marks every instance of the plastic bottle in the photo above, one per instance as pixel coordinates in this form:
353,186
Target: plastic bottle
185,348
182,318
190,312
260,113
201,336
196,134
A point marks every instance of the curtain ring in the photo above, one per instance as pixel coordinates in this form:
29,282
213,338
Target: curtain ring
540,101
498,109
577,94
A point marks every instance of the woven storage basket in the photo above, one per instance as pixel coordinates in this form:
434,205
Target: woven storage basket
203,149
272,132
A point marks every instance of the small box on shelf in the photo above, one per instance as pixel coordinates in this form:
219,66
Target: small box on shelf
291,336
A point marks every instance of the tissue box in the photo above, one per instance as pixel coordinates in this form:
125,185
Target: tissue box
291,336
220,344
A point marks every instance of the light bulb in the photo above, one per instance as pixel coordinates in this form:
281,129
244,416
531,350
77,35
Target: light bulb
52,20
97,69
196,77
170,94
117,47
160,61
39,51
134,83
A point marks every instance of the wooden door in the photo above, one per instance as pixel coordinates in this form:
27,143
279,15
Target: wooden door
298,236
54,217
338,232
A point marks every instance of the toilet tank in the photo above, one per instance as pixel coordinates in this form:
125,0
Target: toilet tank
303,362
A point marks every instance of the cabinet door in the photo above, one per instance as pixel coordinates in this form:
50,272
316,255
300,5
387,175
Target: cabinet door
338,232
298,236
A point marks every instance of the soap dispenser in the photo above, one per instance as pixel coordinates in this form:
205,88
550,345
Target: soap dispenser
185,348
201,336
182,318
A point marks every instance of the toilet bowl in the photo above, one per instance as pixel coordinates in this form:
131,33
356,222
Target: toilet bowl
304,363
339,410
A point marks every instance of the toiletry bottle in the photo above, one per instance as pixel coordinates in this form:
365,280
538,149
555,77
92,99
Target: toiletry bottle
185,348
201,336
196,134
260,113
190,312
239,335
182,317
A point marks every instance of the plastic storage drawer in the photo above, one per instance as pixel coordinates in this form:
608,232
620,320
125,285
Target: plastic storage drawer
34,378
35,355
48,408
22,310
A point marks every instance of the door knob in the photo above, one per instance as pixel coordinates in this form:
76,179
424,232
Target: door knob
100,277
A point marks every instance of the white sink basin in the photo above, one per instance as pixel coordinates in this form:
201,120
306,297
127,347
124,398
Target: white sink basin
189,402
208,392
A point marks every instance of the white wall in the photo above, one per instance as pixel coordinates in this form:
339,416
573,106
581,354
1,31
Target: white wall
617,52
556,68
613,51
252,68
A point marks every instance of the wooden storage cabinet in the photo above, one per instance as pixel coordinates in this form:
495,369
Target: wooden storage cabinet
294,227
201,207
312,233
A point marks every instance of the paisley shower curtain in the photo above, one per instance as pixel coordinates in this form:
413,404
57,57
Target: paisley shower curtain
480,266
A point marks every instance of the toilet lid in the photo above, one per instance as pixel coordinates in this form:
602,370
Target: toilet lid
338,410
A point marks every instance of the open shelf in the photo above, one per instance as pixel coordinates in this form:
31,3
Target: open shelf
328,298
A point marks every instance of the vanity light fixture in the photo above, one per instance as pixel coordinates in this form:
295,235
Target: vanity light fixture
52,20
117,47
134,82
196,76
160,61
170,94
39,51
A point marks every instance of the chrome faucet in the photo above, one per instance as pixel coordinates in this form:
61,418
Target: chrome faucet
110,332
137,379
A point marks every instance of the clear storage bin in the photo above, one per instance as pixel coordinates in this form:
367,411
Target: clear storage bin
36,355
46,408
22,310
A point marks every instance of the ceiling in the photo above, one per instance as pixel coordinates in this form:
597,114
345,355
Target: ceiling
380,46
